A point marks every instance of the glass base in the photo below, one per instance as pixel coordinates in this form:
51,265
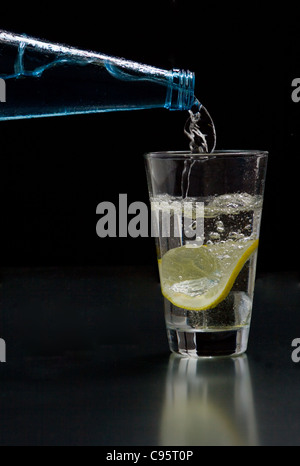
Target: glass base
209,344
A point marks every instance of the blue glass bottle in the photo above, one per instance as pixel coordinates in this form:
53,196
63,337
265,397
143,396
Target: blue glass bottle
39,79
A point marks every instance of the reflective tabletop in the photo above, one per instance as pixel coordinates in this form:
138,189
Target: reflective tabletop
87,363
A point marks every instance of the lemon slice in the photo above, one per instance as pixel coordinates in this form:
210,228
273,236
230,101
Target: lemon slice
199,278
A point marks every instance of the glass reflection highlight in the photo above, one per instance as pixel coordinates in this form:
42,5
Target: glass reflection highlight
208,402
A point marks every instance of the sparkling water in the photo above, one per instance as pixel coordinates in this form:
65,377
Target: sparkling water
230,220
201,132
200,129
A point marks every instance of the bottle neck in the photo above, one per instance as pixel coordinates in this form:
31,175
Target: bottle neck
180,84
180,94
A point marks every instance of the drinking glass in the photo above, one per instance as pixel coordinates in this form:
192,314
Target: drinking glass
206,215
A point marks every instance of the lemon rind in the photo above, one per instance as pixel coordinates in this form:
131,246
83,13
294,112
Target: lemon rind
225,290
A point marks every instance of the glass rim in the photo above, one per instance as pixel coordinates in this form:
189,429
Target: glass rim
183,155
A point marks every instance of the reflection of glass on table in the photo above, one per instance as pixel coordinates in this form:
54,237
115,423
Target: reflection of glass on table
208,402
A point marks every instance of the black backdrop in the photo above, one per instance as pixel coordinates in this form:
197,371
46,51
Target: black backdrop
54,171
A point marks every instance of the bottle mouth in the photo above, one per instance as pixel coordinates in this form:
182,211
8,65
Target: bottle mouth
180,95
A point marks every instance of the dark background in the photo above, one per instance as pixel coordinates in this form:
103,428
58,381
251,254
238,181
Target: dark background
55,171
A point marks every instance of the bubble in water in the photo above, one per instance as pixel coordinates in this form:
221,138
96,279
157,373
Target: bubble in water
220,227
215,236
235,235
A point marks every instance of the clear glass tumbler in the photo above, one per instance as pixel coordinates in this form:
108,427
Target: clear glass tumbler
206,214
